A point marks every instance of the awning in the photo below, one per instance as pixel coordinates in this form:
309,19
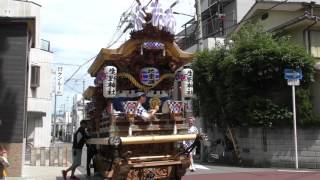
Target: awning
36,114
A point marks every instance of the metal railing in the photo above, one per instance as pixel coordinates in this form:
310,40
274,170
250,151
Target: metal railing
45,45
52,156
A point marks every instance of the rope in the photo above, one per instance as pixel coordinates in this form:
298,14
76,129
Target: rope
143,87
188,150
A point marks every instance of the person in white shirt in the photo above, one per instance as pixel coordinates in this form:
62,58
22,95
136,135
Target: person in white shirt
192,130
141,111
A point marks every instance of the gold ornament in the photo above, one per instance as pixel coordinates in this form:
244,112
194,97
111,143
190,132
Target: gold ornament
155,102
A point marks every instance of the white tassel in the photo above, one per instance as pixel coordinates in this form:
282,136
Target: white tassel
138,18
141,50
130,130
175,129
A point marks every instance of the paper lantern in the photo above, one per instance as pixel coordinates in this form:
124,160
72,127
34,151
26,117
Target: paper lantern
110,82
187,83
149,76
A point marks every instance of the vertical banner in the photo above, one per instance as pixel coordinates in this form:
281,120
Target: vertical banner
59,81
187,83
110,82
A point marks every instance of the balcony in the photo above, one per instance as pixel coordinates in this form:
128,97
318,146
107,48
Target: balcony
45,45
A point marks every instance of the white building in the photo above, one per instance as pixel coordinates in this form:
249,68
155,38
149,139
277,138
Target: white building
39,104
63,126
218,18
77,113
40,96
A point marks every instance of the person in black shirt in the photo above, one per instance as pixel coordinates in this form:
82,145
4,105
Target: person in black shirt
91,151
79,140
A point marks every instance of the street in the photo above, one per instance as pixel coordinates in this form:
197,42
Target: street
204,172
274,175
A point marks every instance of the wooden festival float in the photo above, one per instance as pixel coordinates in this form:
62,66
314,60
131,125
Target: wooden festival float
128,146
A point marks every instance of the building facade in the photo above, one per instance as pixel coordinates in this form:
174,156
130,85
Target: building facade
40,96
18,26
77,113
299,21
218,18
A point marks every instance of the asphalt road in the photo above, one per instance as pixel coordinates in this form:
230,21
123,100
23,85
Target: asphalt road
273,175
204,172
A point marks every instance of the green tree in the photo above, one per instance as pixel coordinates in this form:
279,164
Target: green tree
244,83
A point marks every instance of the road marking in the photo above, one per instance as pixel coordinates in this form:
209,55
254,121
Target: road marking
198,166
301,171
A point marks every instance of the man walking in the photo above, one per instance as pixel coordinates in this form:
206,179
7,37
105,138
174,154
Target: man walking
192,130
79,140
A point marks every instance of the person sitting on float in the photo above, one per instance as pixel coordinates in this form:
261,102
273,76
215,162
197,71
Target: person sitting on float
141,111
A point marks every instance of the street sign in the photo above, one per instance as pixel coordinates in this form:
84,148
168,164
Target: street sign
294,76
294,82
59,81
291,74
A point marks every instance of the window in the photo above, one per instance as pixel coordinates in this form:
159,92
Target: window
264,16
35,76
315,43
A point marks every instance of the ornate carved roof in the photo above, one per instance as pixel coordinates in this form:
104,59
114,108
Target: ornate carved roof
128,49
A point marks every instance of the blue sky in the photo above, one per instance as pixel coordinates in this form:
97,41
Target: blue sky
78,29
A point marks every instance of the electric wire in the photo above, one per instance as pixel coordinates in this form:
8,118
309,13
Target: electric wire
237,24
108,46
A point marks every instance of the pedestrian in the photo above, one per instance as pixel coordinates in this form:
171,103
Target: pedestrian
4,164
191,130
91,152
79,140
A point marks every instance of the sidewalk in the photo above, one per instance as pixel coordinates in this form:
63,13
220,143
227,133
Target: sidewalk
47,173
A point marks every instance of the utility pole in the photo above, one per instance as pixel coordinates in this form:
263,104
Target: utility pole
54,117
199,25
83,89
199,37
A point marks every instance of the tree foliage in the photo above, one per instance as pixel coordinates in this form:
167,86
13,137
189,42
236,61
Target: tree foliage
244,83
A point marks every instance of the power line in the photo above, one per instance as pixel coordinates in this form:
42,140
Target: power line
126,14
71,88
86,62
244,20
257,15
123,19
62,64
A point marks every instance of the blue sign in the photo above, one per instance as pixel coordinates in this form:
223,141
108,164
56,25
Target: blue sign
293,74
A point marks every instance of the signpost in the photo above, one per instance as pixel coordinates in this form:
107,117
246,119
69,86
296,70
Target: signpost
58,92
293,76
59,81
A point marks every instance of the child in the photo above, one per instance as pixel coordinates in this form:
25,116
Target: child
4,164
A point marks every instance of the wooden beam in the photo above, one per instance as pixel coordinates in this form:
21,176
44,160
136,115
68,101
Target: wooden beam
142,158
146,139
155,164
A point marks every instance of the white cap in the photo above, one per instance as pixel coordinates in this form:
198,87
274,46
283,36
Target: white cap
139,94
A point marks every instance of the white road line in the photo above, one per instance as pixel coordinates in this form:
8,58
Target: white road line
301,171
198,166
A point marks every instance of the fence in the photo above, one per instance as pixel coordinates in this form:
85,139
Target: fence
52,156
